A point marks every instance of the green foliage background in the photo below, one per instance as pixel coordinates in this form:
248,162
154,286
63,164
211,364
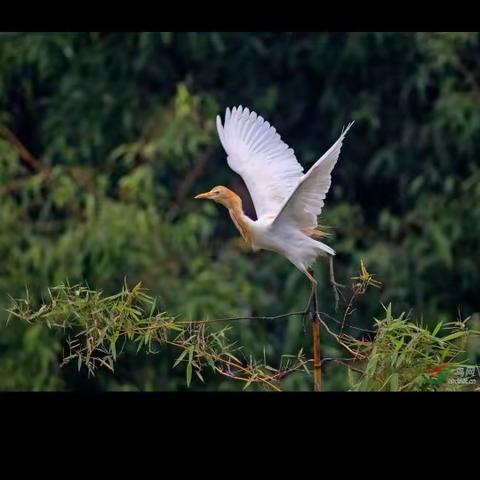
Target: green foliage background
123,127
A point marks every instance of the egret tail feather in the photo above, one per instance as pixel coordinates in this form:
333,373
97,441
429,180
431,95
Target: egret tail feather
325,248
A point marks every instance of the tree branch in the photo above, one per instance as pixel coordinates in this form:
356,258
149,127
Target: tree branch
22,151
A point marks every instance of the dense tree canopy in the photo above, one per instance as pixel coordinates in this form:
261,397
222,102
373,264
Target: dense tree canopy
106,137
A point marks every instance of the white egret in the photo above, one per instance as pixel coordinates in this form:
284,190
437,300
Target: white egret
286,200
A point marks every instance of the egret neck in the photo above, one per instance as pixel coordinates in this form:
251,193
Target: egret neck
240,219
233,203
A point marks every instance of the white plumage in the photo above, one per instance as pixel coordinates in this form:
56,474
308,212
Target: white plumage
286,200
257,153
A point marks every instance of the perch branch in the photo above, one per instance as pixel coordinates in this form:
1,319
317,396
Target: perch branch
314,315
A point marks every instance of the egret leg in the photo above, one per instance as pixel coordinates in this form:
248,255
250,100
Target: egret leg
307,306
334,283
332,274
310,276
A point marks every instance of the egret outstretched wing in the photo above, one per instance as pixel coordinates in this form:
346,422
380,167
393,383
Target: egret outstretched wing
256,152
305,203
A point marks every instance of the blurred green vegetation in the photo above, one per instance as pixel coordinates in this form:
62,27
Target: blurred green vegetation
119,135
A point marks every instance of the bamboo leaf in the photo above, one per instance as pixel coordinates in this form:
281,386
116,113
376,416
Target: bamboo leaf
180,358
189,366
247,384
389,312
437,328
394,382
211,362
154,303
189,374
113,349
452,336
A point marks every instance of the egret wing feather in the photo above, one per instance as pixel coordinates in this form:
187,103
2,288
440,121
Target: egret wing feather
305,203
257,153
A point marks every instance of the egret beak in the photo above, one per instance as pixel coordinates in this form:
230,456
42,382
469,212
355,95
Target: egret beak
203,195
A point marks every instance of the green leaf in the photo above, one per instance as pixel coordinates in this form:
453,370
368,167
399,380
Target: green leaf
452,336
394,382
180,358
189,366
388,311
154,303
189,374
111,363
437,328
247,384
113,350
372,364
211,362
394,359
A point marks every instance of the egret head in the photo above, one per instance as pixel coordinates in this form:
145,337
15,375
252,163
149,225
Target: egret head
220,194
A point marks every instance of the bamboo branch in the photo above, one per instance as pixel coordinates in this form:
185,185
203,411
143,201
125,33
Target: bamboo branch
232,319
109,318
315,317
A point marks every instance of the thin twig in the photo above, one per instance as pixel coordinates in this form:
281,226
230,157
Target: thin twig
353,327
340,341
231,319
344,363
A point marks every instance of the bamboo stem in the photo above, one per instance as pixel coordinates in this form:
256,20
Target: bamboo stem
315,317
